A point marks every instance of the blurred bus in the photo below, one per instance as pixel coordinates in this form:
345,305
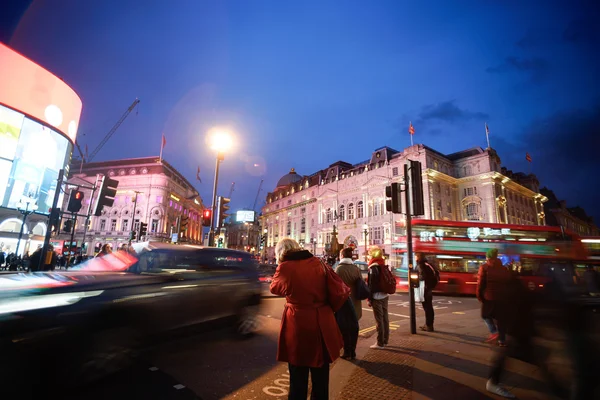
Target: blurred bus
458,249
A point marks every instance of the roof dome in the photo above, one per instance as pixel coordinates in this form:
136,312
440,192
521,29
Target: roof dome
289,179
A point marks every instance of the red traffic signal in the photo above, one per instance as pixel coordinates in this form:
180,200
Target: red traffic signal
75,201
206,217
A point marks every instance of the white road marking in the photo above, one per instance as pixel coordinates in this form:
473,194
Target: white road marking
395,315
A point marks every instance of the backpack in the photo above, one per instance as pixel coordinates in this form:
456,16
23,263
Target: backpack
436,277
387,280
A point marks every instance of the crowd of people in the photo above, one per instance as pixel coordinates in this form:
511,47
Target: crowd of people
323,307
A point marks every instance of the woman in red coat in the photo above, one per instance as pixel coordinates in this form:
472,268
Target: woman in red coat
309,339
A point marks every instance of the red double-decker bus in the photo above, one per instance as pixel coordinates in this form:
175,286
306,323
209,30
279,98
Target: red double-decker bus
458,249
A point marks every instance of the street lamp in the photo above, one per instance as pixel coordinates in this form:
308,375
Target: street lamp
219,140
366,233
25,207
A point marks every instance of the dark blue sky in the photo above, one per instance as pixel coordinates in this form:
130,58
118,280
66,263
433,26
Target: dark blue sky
304,84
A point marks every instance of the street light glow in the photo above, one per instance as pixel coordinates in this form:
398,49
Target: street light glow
220,140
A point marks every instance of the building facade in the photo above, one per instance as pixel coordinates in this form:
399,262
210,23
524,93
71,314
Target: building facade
572,218
149,191
243,236
39,118
348,200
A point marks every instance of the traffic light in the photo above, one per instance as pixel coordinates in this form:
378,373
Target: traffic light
75,201
68,225
416,185
132,235
106,195
223,207
206,217
220,243
54,219
392,203
143,229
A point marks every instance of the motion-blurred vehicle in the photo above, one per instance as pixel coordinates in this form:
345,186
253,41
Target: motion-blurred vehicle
75,326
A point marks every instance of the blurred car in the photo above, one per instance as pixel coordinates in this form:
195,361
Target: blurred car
364,268
62,327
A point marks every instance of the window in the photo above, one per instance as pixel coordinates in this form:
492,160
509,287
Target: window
351,211
328,215
439,205
103,225
303,225
395,171
472,211
136,225
125,226
375,207
376,235
154,226
288,228
159,199
360,210
342,214
303,210
448,207
438,188
447,191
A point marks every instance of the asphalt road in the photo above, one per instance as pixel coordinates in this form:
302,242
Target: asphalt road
217,365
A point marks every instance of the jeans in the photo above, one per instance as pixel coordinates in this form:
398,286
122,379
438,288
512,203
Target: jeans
491,325
382,320
299,382
428,308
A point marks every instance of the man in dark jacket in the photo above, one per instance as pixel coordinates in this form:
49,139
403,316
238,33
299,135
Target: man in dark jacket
347,317
427,277
379,299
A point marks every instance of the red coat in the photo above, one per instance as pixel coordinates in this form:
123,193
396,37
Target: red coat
308,321
492,281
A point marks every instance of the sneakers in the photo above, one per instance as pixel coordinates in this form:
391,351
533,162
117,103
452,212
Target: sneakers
376,346
491,338
499,390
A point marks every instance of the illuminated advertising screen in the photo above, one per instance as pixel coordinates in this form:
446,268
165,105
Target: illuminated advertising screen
244,216
31,155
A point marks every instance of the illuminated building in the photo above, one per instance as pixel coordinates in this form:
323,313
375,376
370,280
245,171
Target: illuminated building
164,198
465,186
572,218
39,118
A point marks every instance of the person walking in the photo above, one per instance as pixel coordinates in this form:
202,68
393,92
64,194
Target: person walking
309,338
492,280
379,298
429,278
105,250
350,313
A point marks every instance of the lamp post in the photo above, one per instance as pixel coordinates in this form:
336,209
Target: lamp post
24,208
220,141
366,233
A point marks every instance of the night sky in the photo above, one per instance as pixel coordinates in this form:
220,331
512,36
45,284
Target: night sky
304,84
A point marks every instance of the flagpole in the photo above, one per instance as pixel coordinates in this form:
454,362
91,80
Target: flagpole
162,140
487,135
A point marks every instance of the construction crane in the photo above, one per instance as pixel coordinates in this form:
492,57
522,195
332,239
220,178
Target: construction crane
110,133
257,194
231,190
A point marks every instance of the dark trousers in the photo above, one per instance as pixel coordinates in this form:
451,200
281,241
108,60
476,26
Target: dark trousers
350,336
348,324
428,308
299,382
382,320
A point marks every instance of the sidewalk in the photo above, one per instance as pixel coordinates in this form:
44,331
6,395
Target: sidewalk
451,363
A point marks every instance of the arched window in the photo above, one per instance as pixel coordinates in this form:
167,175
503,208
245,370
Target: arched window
351,211
375,207
360,212
472,211
342,213
328,215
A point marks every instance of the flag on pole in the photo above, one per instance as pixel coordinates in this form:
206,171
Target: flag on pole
527,157
162,146
411,128
198,175
487,129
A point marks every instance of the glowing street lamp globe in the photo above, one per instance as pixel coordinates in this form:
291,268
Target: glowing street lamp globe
220,140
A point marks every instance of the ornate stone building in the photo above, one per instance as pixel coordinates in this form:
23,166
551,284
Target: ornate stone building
349,199
572,218
164,197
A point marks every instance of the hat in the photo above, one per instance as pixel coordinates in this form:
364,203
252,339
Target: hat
375,252
492,253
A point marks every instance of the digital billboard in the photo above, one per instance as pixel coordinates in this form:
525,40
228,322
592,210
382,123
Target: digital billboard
37,93
31,155
244,216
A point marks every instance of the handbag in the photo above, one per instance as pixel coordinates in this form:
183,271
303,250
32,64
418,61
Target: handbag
420,292
337,291
362,291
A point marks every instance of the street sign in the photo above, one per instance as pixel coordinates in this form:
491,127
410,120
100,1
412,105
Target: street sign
174,237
